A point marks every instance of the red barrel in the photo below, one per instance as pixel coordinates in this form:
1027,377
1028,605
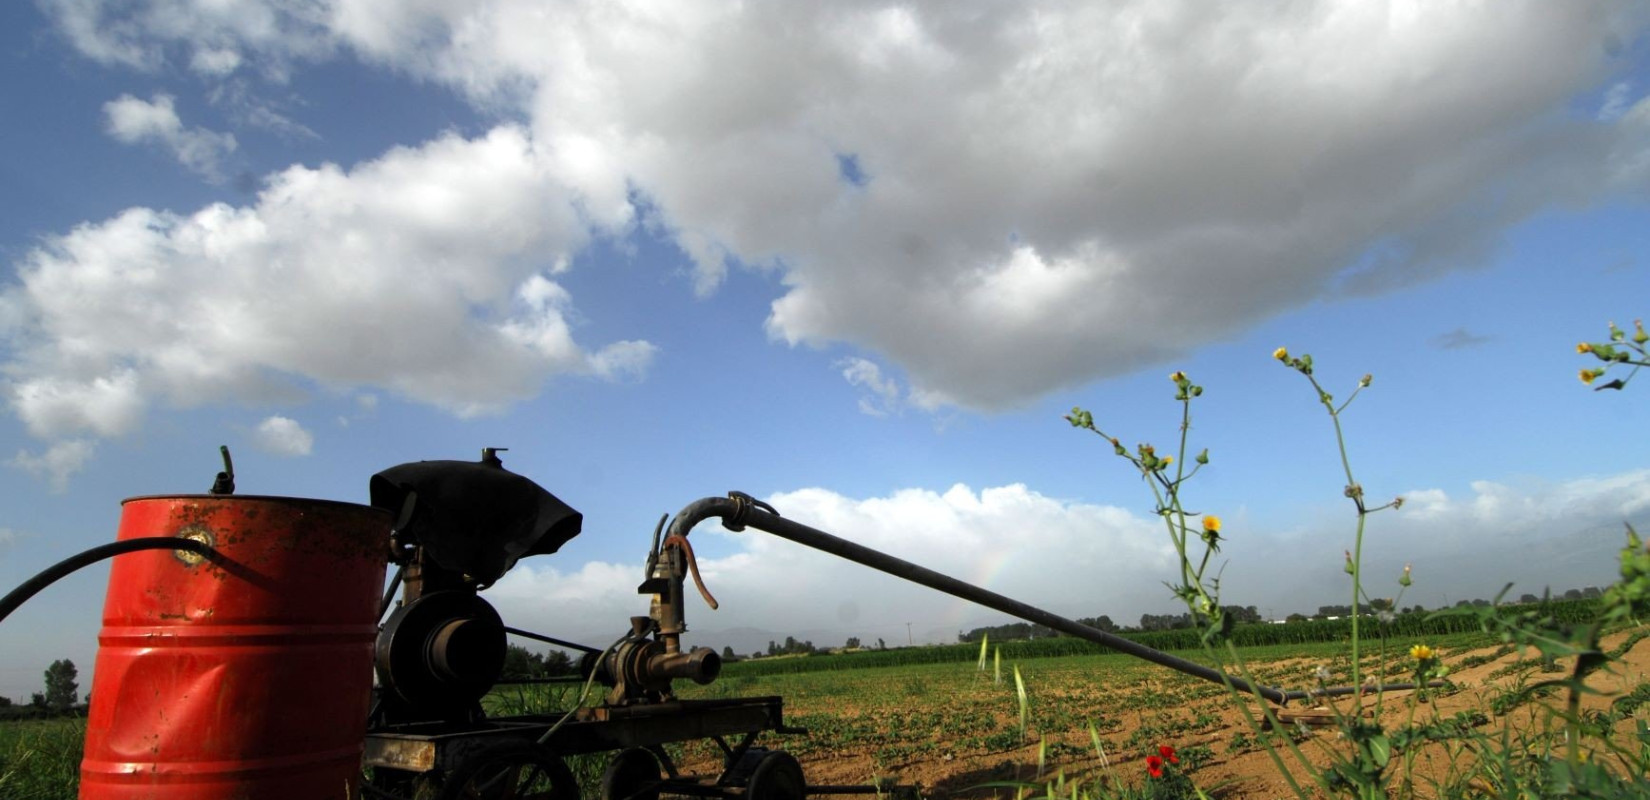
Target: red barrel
247,675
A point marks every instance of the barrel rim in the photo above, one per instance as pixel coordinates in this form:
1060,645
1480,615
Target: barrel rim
261,498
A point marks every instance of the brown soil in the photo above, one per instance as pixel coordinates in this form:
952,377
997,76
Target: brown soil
1245,773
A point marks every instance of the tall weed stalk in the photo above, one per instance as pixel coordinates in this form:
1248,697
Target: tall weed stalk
1568,754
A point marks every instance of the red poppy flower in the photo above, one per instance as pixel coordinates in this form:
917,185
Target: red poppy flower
1154,766
1168,753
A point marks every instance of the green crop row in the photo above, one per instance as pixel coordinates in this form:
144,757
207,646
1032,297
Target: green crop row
1404,627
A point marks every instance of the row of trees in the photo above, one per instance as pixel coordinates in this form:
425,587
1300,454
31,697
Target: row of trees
61,696
1015,631
792,647
521,663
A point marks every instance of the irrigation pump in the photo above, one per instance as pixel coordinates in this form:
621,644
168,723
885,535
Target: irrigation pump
250,649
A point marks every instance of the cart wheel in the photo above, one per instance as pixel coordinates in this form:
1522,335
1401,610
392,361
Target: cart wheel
511,771
633,774
777,777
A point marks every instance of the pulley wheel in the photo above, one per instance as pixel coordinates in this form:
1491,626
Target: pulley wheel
443,649
778,776
633,774
515,770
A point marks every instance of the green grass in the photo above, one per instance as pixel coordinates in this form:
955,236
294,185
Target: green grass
1294,637
40,759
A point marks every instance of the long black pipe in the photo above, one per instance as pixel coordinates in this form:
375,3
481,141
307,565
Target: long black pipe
583,648
51,574
739,511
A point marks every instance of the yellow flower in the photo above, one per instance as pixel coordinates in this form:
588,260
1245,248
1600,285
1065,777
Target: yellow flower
1587,375
1421,652
1281,354
1211,523
1584,347
1166,460
1178,376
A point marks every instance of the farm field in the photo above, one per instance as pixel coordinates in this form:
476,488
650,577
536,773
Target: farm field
950,727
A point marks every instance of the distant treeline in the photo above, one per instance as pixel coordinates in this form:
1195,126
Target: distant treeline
1407,626
1241,615
1148,622
61,698
21,712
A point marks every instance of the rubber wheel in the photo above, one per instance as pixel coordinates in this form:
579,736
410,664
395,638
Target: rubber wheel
777,777
633,774
511,771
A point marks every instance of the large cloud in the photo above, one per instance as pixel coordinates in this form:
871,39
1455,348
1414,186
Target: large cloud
1079,559
1007,198
427,271
1535,534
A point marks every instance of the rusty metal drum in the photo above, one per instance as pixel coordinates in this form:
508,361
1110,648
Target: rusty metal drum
243,675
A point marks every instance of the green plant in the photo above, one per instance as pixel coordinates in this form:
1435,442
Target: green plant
40,759
1567,753
1195,755
1167,476
1619,351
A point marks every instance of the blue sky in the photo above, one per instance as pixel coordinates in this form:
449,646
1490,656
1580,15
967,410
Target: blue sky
856,260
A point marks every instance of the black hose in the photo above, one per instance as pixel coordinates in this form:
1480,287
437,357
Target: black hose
739,510
51,574
552,640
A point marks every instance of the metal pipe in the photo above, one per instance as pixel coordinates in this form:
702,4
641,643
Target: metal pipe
552,640
738,512
701,666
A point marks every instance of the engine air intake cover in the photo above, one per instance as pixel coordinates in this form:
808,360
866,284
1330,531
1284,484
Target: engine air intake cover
474,518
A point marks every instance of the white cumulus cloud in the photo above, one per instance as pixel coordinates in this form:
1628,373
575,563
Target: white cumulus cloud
283,436
1079,559
422,273
134,121
1074,558
1533,534
1041,193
